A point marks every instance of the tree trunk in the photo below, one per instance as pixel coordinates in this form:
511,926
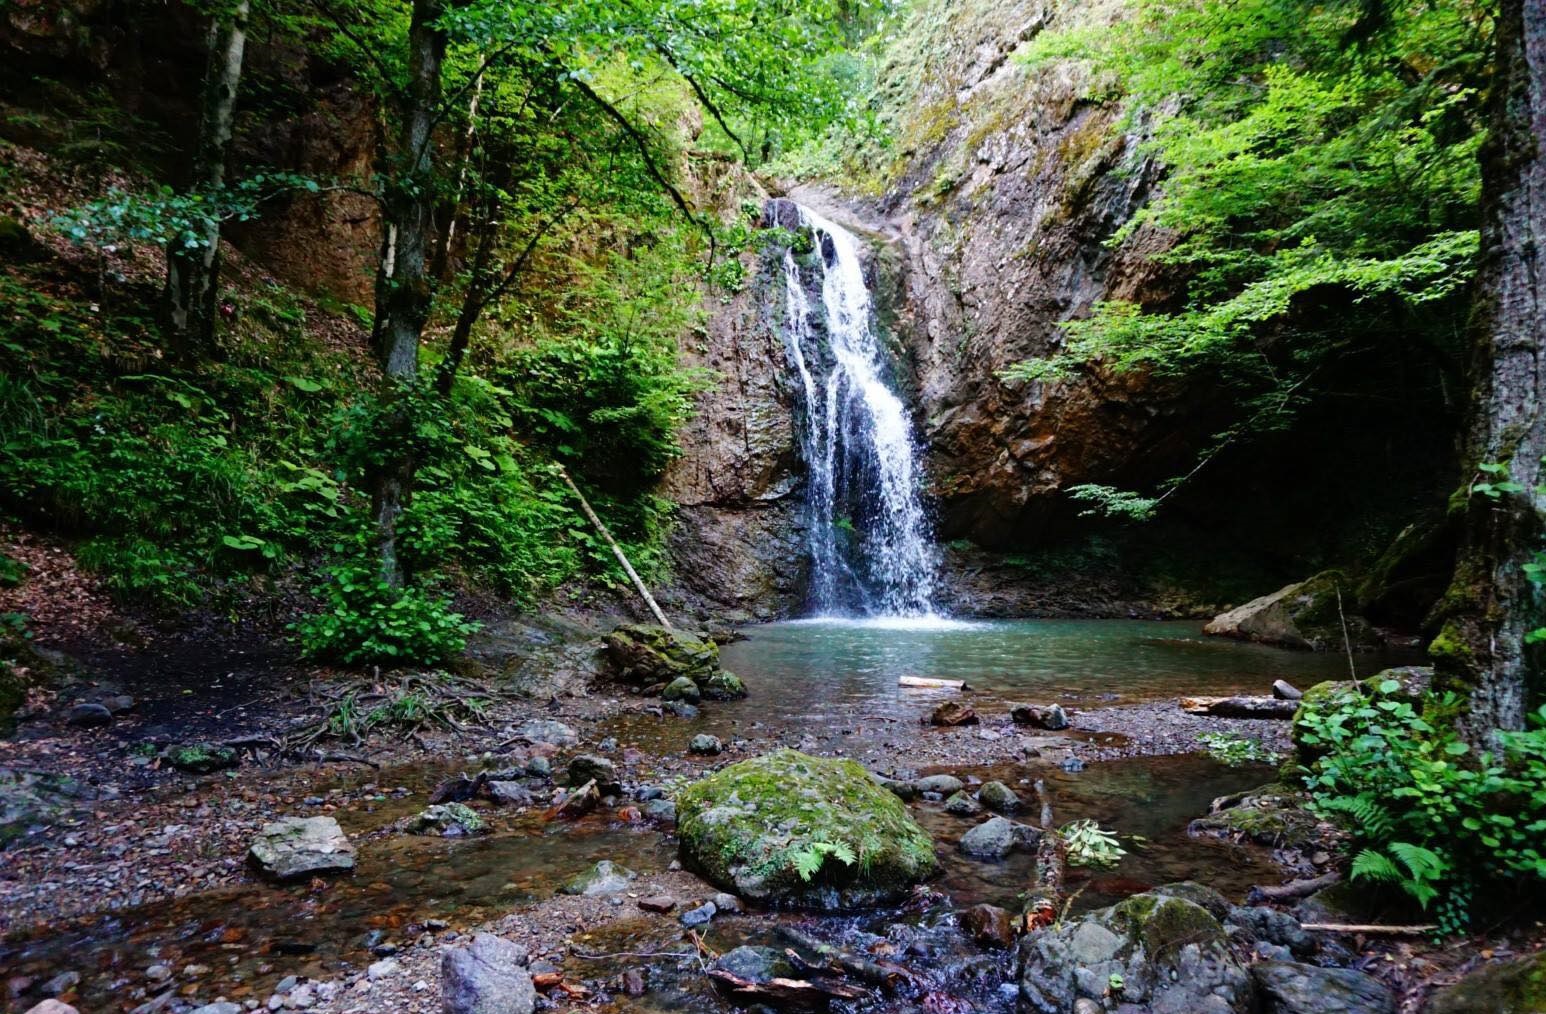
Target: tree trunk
405,289
193,272
1491,604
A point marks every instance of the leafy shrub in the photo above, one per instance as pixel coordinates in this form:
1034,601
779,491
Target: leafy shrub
1090,845
368,621
1427,814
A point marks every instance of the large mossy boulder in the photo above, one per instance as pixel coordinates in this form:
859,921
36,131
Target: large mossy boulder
645,654
1308,615
1150,953
1509,987
790,829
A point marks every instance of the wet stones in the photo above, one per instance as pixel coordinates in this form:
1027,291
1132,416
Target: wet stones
52,1007
953,713
807,831
489,976
295,847
1051,717
449,820
645,654
997,837
603,880
1292,988
988,925
682,689
962,805
592,768
755,964
1156,952
510,794
999,798
724,686
200,758
546,730
660,904
702,915
945,785
705,745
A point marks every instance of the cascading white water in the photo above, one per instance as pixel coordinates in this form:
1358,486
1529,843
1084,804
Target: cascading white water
870,545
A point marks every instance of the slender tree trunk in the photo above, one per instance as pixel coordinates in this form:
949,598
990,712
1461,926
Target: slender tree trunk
405,288
193,272
1491,604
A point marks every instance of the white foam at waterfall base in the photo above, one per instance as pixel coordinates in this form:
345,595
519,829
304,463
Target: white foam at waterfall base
852,410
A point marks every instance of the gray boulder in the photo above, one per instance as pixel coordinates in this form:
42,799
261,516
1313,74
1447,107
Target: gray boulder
945,785
294,847
487,977
589,767
545,730
705,745
999,798
1151,954
510,793
756,964
682,689
449,820
1292,988
1040,716
88,716
997,837
962,805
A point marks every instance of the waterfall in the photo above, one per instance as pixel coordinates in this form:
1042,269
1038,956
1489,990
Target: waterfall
869,540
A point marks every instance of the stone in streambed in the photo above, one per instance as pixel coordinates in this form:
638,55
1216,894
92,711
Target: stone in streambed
752,827
510,794
989,925
658,903
705,745
1040,716
962,805
1286,691
999,798
1292,988
487,977
200,758
449,820
700,916
295,847
953,713
589,767
1167,953
755,964
905,791
603,880
1508,987
1307,615
997,837
682,689
52,1007
546,730
724,686
945,785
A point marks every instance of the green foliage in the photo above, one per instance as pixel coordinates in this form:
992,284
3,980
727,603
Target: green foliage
12,571
1426,814
1321,187
162,216
1089,845
1227,748
365,620
808,857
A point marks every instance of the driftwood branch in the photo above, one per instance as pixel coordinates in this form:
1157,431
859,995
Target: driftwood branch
795,992
1294,889
617,551
1240,707
885,974
929,683
1370,928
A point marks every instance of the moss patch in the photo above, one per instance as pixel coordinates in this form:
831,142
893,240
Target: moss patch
800,830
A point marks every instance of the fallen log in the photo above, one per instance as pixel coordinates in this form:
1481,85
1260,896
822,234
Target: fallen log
885,974
802,992
577,803
1041,901
929,683
1294,889
1240,707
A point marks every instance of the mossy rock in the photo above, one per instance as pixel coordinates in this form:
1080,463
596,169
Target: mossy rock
1511,987
449,820
1273,815
752,827
201,758
724,686
1155,951
644,654
1308,615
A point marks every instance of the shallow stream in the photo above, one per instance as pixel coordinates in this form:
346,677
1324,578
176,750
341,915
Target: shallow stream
807,678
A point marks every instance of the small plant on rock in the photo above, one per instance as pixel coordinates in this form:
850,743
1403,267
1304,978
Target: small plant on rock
1091,845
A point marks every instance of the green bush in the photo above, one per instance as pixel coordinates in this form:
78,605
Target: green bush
368,621
1426,813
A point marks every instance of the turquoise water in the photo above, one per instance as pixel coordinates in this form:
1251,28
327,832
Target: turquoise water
819,669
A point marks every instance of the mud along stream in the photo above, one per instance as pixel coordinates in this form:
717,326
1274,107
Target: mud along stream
1130,761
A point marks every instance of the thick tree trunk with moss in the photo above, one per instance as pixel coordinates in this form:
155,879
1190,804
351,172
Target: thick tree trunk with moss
193,272
405,288
1492,605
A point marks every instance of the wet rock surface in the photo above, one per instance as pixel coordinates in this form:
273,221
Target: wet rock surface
778,827
297,847
487,977
1306,615
1290,988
